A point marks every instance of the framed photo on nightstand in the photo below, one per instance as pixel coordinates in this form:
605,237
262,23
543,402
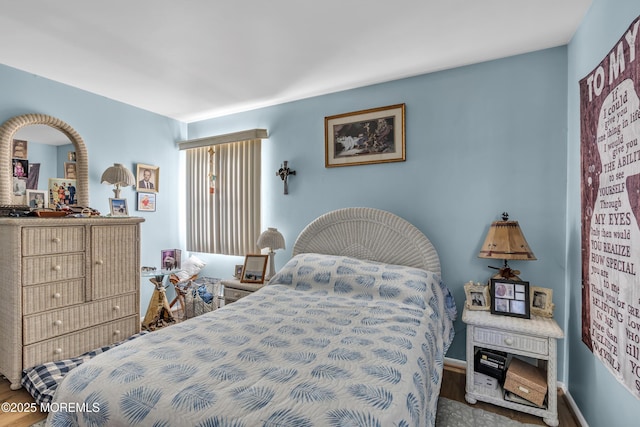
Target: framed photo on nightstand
477,296
510,298
254,269
541,301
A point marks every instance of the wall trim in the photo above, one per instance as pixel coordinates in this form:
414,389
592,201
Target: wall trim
462,364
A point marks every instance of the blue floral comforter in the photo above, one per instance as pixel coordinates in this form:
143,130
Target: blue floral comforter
331,341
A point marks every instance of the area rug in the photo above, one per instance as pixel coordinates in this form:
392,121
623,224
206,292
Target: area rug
456,414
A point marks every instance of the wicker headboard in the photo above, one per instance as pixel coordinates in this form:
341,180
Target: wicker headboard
370,234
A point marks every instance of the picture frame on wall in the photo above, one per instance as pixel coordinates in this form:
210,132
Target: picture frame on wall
147,202
365,137
477,296
70,170
254,269
20,149
118,207
147,178
510,298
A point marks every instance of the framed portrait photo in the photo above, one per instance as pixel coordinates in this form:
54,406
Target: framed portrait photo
37,199
238,271
510,298
254,268
69,170
541,301
147,202
118,207
477,296
147,178
62,192
364,137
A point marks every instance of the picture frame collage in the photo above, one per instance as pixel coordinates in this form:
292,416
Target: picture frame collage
509,298
147,185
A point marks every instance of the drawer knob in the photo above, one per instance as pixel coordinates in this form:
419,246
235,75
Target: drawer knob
58,351
57,295
116,332
236,295
508,341
116,307
58,322
56,240
57,267
99,262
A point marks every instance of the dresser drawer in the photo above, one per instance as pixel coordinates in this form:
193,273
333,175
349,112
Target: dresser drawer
52,240
511,341
54,268
49,324
50,296
72,345
231,294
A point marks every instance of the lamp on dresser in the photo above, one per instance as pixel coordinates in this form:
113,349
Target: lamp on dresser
272,239
505,241
118,176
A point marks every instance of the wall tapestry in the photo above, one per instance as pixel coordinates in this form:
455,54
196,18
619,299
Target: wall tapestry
610,161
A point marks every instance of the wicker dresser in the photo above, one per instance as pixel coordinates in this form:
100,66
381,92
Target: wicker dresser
68,286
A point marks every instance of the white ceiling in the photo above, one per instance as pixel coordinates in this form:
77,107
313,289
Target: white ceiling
197,59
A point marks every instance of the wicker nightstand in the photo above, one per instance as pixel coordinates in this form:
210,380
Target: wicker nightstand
234,289
534,338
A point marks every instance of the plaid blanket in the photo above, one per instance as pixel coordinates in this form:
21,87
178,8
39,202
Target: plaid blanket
41,381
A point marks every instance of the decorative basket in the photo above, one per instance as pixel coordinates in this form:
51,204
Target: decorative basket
202,296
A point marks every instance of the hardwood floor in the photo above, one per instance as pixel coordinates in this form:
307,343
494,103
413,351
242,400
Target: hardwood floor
453,384
17,419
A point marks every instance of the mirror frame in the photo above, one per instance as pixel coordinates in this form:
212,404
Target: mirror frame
7,132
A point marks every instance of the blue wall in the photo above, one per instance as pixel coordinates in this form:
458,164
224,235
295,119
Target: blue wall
602,400
113,133
480,140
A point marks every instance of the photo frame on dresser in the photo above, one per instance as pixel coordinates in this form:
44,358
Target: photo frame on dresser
510,298
118,207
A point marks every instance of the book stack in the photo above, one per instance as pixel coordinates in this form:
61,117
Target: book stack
492,363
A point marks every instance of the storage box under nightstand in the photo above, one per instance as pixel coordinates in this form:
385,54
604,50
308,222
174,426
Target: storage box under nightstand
527,381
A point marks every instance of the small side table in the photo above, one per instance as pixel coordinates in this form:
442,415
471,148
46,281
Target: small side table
234,289
534,338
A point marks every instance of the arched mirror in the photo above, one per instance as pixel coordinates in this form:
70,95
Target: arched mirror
8,131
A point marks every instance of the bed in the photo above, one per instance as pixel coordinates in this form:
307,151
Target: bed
351,331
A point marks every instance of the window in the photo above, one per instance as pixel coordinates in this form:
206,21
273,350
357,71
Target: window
223,213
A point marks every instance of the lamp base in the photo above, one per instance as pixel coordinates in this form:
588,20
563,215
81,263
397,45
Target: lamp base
506,273
272,267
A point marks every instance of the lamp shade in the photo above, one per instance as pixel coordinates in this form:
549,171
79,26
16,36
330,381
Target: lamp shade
118,174
506,241
272,239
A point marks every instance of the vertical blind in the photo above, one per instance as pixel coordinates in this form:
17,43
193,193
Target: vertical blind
226,221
